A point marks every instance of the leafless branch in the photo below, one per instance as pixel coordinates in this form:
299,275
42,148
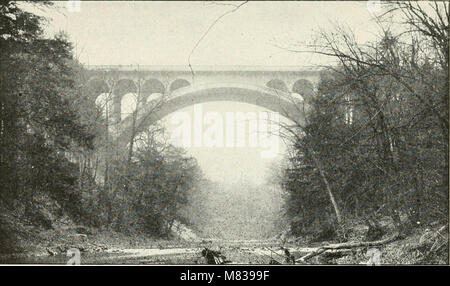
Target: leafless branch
208,30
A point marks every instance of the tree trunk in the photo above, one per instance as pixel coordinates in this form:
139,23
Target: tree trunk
330,193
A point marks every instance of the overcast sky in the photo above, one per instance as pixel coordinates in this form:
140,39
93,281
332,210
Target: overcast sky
164,33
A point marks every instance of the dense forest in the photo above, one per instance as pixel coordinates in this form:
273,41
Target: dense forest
375,145
57,162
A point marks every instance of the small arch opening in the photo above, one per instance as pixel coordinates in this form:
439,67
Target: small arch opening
152,86
105,103
179,83
128,105
124,86
277,84
305,88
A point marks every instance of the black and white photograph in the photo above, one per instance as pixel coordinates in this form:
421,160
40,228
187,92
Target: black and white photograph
197,133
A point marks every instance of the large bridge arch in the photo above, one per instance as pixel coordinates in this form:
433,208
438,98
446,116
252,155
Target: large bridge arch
272,99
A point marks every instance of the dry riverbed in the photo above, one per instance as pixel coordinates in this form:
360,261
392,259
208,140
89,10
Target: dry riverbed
107,247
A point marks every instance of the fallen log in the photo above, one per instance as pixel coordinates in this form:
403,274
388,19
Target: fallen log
345,246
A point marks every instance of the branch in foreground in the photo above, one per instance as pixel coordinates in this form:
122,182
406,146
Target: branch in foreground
347,245
236,7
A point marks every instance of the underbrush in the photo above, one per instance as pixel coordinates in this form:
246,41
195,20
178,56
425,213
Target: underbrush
412,250
415,245
46,230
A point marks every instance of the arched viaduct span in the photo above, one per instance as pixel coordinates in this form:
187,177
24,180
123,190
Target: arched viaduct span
274,88
273,100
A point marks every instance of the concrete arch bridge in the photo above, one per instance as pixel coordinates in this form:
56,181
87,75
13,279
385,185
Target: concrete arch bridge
286,90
